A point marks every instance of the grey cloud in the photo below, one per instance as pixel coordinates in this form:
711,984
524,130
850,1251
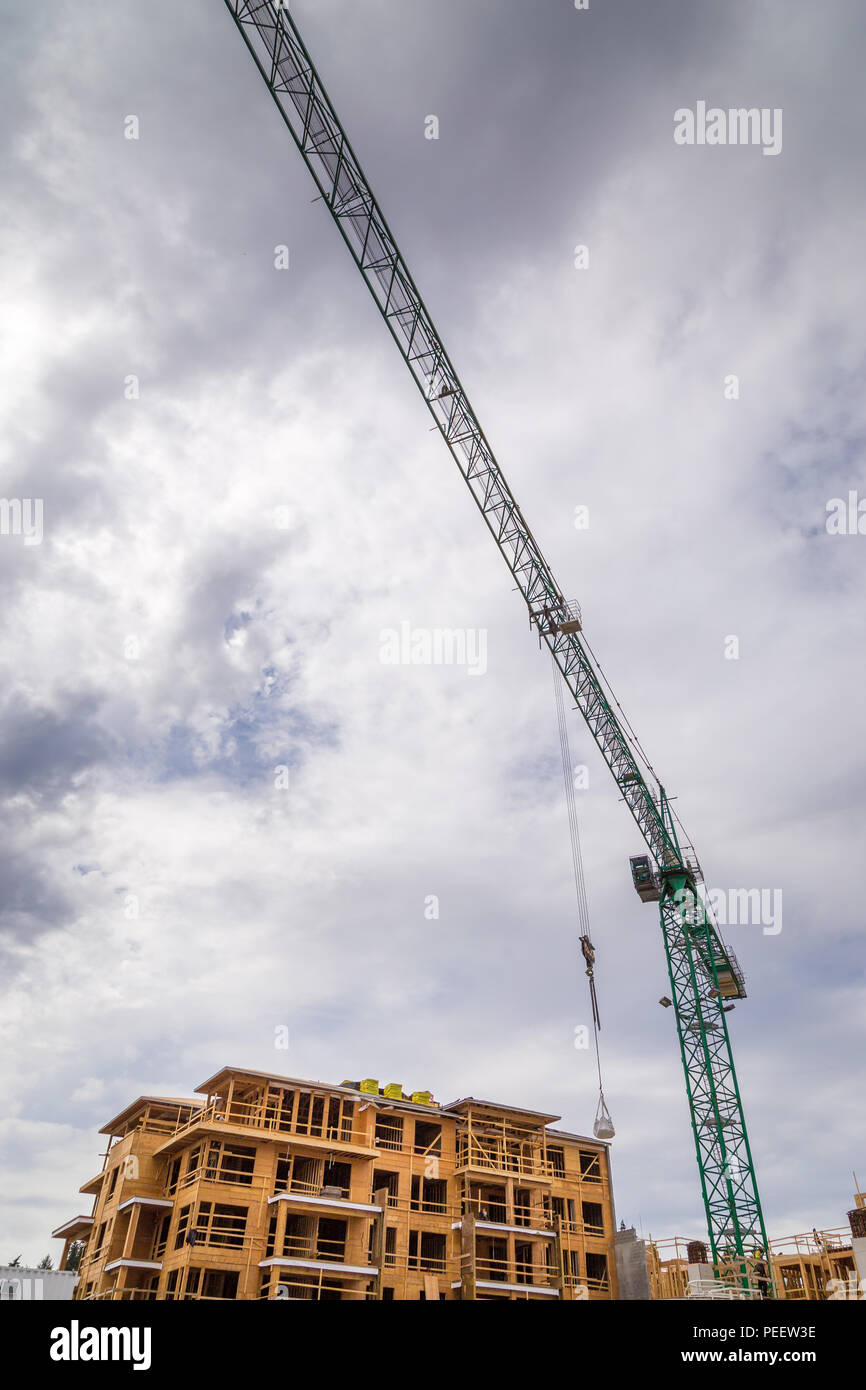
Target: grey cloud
259,646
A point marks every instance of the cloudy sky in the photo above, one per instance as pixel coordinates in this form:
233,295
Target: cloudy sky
223,548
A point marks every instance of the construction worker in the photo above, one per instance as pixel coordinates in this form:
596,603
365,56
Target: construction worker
760,1272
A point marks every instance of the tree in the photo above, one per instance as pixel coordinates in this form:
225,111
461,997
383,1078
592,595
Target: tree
73,1258
16,1263
45,1263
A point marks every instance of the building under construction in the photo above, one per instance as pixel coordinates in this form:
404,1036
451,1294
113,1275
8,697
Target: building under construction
813,1266
271,1187
277,1188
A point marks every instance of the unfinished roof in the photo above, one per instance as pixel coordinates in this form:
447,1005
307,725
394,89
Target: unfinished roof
471,1101
581,1138
540,1117
213,1084
120,1122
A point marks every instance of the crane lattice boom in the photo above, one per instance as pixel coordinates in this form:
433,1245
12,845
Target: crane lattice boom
703,972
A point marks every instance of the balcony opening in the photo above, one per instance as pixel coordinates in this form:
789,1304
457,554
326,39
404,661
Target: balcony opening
590,1167
388,1180
298,1286
501,1144
427,1251
491,1261
160,1237
333,1117
389,1132
596,1270
314,1238
522,1207
311,1115
219,1224
556,1159
193,1160
299,1242
347,1120
523,1262
428,1137
331,1243
571,1261
282,1109
173,1175
313,1177
563,1208
220,1283
488,1203
301,1174
182,1226
428,1194
337,1180
593,1218
233,1163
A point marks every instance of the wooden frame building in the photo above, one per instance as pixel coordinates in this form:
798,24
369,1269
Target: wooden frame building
272,1187
811,1267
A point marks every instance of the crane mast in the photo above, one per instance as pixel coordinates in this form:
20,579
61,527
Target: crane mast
703,972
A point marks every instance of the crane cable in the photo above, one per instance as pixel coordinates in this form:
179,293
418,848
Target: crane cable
586,946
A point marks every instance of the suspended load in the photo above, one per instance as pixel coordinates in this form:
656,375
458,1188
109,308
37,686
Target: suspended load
603,1127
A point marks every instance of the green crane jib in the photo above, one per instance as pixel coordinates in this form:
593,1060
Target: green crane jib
703,972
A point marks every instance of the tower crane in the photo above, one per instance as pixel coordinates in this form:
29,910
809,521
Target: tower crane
704,974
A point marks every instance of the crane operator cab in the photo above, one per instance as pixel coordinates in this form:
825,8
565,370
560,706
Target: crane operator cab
644,879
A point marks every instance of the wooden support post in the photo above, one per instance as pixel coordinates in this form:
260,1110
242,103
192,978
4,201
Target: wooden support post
131,1232
380,1199
559,1261
467,1256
